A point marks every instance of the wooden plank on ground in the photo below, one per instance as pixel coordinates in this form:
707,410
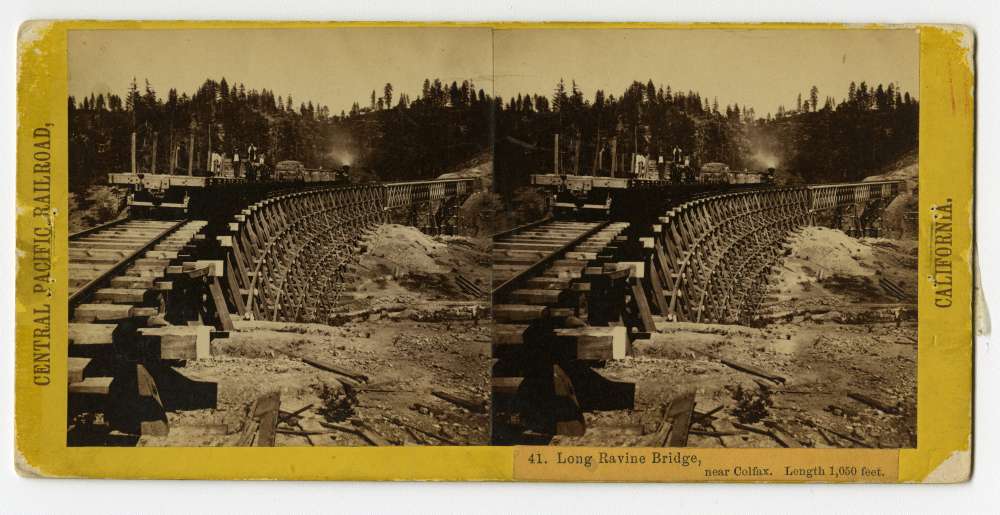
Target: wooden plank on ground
680,410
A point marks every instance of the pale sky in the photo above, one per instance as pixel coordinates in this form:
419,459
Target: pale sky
338,66
759,68
332,66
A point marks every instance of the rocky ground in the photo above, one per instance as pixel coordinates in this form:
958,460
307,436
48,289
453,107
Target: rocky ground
837,343
409,327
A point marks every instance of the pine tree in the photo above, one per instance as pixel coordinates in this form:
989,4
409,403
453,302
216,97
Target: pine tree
132,100
425,91
559,99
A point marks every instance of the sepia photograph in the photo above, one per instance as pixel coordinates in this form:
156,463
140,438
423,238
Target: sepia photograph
279,237
707,238
495,251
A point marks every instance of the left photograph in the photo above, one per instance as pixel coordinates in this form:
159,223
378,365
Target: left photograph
280,237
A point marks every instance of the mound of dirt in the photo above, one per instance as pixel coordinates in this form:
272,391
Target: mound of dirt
401,259
822,264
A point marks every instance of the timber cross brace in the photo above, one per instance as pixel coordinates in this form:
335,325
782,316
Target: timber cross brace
287,257
711,257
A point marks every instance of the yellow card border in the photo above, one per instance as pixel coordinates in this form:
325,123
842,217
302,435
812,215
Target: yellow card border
944,413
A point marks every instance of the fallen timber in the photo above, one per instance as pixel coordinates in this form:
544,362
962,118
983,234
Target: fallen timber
147,295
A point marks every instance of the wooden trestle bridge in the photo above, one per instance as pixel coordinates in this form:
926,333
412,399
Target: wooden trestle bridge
150,292
571,294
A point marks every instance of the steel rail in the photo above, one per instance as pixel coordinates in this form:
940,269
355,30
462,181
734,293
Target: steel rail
92,230
85,290
519,228
537,266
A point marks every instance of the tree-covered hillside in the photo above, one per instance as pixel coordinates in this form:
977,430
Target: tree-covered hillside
819,140
394,136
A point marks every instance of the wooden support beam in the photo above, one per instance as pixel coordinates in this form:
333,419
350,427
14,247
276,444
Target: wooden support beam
219,303
639,297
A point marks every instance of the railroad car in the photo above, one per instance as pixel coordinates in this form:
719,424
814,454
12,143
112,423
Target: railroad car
167,193
289,171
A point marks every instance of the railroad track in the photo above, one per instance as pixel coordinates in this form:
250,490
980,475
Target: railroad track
546,277
120,277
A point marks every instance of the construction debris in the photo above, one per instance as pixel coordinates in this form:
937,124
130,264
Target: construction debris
750,369
473,406
881,406
330,367
261,422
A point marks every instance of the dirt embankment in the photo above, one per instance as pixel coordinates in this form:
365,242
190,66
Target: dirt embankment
839,348
410,328
479,167
898,218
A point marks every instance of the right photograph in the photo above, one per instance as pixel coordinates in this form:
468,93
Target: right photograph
706,237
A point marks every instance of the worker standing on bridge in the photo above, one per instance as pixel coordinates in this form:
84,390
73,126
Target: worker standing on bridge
252,165
237,169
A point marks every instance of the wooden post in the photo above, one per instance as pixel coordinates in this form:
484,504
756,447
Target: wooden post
614,156
576,154
555,154
152,167
208,153
191,154
172,156
598,154
133,151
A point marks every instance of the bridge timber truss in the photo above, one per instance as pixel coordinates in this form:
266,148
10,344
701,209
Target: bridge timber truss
711,258
286,256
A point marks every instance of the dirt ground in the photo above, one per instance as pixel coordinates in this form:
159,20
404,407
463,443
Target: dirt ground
409,328
829,329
